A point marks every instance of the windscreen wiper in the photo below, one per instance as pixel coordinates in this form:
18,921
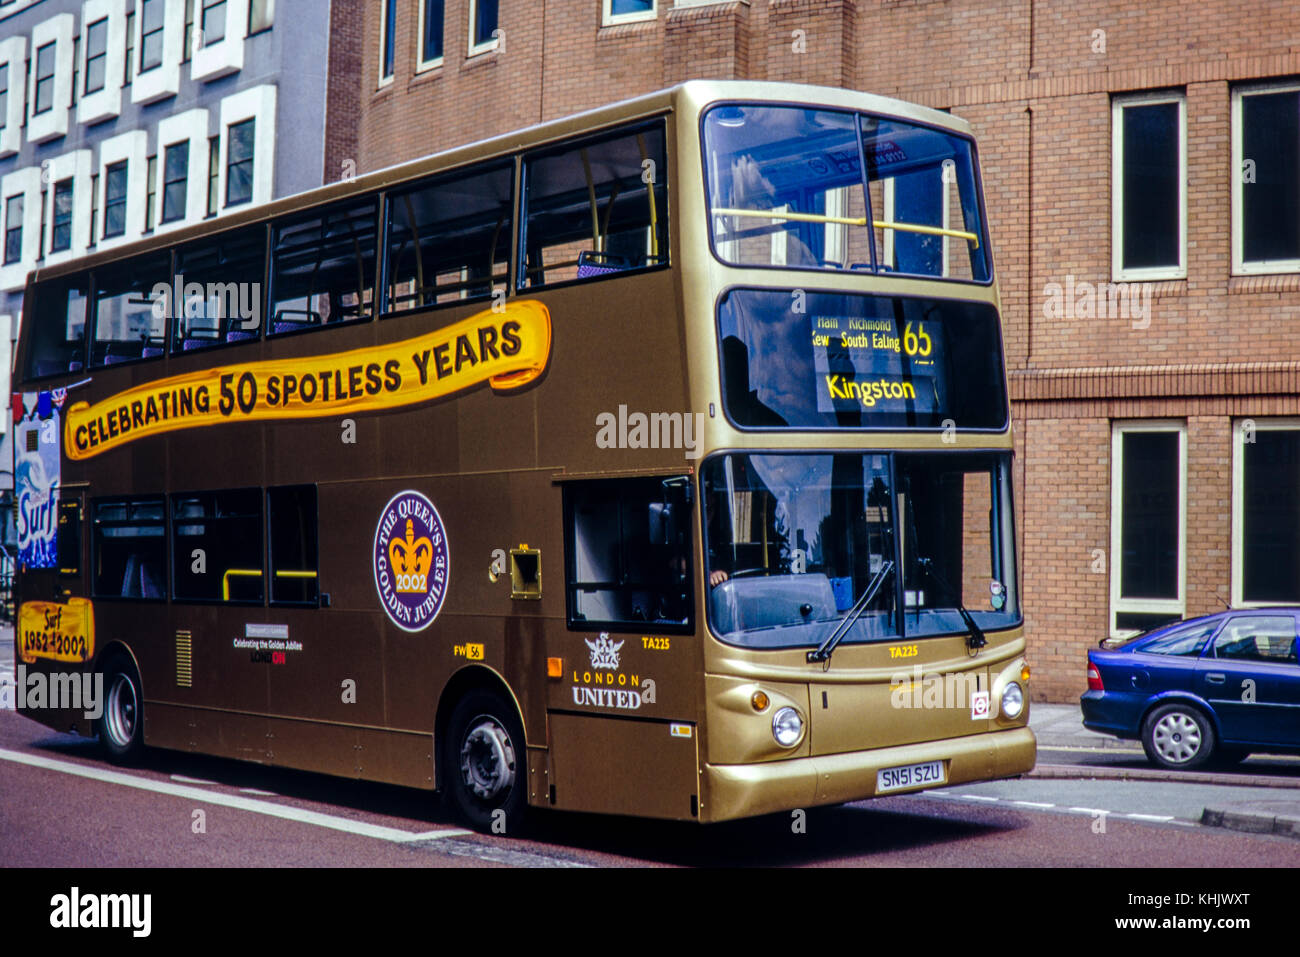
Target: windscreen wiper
976,640
827,647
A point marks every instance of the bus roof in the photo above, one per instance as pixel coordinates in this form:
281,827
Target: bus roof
692,94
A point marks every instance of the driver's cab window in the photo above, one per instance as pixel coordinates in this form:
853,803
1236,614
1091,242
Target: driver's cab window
628,555
1263,638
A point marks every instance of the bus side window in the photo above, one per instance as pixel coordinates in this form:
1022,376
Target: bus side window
323,267
596,209
59,331
129,323
449,240
291,518
222,296
128,548
217,546
627,565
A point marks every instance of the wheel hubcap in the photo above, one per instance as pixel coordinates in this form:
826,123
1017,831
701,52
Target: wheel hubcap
120,711
487,759
1177,738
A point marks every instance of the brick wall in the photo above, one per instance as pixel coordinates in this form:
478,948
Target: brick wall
1036,80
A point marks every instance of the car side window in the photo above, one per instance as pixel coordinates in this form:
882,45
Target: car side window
1185,642
1269,639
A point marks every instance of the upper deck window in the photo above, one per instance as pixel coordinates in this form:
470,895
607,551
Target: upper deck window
449,239
323,267
796,188
129,322
59,327
220,287
596,208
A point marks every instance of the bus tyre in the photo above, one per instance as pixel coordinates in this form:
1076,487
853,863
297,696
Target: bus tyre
121,722
1178,736
485,764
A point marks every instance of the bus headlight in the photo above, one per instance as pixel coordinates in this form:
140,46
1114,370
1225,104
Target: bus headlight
1013,700
787,727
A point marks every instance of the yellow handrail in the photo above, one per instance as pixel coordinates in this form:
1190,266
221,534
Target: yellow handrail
242,572
848,221
289,574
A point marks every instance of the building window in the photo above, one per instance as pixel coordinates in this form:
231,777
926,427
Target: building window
96,54
1266,179
151,192
4,94
260,15
1148,524
40,236
13,229
151,34
1266,512
128,70
187,35
61,236
45,59
1149,187
213,25
176,166
431,20
76,66
239,162
387,43
482,26
214,173
94,207
115,199
628,11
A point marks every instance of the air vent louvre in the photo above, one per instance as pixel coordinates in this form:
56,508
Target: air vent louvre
184,664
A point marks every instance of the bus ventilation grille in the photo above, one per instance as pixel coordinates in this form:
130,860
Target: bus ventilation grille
184,674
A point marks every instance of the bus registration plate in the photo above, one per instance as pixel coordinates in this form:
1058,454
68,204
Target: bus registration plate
928,774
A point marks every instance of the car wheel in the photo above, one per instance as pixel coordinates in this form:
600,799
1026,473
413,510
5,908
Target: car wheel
121,721
1178,736
485,764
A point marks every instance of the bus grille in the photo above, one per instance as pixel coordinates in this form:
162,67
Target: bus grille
184,674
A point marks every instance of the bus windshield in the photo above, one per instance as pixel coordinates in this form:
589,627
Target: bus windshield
792,541
787,188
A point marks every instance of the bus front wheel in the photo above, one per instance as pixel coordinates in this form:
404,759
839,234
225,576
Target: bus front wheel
485,764
121,724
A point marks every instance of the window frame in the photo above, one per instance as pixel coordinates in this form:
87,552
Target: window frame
608,18
486,46
1240,267
268,535
109,202
387,43
5,71
93,565
10,229
38,79
66,187
170,500
250,161
146,34
205,7
1118,603
424,63
1238,540
1145,273
101,56
184,213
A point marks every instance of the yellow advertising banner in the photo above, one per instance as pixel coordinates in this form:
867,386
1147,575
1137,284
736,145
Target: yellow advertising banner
48,629
507,349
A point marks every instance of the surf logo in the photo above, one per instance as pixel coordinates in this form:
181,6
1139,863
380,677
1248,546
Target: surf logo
411,561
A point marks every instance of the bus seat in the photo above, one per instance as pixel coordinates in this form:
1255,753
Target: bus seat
150,585
75,365
151,352
235,335
592,263
110,358
188,344
764,602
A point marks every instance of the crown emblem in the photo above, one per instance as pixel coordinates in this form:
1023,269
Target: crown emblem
411,558
604,653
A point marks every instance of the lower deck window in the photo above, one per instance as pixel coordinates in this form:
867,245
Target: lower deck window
217,546
129,545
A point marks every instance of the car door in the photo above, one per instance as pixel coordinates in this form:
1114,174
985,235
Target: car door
1252,680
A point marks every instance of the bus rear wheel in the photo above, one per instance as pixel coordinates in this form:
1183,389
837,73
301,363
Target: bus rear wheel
485,764
121,722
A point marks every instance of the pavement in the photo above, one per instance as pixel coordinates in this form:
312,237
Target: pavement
1060,726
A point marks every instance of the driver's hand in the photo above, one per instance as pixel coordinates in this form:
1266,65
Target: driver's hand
717,577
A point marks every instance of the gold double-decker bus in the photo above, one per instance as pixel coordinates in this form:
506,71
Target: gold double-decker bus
653,461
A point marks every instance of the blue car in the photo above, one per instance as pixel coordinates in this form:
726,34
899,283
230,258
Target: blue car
1212,688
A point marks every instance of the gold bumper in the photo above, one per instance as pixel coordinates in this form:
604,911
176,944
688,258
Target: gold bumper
745,790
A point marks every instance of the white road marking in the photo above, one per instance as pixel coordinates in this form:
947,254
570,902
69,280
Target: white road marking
1038,804
269,794
1071,747
1160,818
1090,810
182,779
229,800
976,797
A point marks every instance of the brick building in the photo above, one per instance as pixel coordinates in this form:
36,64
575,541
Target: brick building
1142,172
